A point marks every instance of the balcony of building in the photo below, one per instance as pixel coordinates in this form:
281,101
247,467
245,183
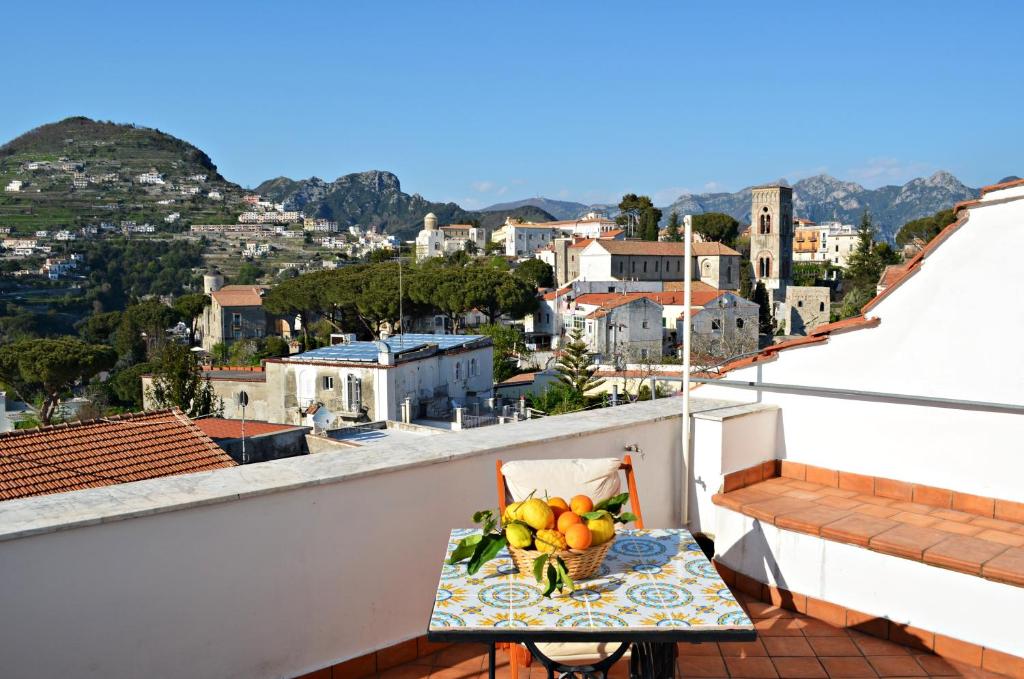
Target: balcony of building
326,565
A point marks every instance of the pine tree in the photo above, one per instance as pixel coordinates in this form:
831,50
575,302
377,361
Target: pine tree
765,317
178,382
672,229
574,368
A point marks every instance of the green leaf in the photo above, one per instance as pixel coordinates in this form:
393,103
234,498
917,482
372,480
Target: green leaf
538,567
552,577
614,503
486,550
596,514
625,517
566,578
464,549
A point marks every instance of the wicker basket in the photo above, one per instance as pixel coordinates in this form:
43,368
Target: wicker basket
582,563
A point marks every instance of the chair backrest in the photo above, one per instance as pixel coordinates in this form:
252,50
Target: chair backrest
597,478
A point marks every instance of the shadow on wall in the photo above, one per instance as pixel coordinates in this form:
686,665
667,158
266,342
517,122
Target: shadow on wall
755,543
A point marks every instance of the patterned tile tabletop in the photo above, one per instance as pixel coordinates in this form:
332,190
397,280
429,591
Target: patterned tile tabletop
650,581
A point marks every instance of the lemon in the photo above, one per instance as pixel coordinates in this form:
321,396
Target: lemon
512,512
518,535
536,513
602,528
550,541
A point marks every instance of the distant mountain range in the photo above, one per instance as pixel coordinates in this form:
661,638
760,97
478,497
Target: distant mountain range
107,156
375,198
823,198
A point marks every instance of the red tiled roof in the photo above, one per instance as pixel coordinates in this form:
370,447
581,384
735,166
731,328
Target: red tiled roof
218,428
891,274
662,248
672,297
616,301
580,243
557,293
104,452
521,378
239,295
614,233
695,286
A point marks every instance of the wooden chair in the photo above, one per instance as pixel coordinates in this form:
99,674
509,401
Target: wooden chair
518,655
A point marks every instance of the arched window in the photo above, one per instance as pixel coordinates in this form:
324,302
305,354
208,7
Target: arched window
705,269
473,369
821,306
765,225
764,266
739,322
458,370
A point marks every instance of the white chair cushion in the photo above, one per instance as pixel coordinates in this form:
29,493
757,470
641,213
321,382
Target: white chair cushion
595,478
580,652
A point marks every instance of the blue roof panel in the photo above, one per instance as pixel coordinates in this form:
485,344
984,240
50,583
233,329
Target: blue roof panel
366,352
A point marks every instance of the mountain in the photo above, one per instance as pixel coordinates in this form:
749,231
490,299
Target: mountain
375,198
559,209
823,198
81,171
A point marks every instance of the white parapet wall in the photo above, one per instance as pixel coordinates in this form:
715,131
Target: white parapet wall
955,604
284,567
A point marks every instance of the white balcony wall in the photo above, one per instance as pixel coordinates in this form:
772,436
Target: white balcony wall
276,569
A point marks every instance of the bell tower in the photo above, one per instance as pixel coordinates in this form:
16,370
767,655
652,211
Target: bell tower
771,237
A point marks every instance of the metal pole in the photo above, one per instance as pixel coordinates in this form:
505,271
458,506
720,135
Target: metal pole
244,460
687,290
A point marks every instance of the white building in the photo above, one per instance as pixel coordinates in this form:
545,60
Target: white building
151,177
831,242
14,186
319,225
617,328
214,195
173,217
64,235
270,217
256,250
607,259
434,242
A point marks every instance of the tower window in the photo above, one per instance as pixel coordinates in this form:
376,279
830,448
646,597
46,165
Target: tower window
765,224
764,266
739,322
821,306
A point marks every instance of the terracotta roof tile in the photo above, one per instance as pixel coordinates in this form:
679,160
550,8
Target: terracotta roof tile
239,295
217,428
662,248
104,452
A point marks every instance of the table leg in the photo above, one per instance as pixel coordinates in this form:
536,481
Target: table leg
491,661
651,660
598,670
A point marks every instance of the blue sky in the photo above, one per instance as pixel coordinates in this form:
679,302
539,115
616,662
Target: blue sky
480,102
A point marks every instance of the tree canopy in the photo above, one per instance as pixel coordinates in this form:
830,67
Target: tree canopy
536,272
716,226
178,382
673,234
639,214
924,228
575,370
49,368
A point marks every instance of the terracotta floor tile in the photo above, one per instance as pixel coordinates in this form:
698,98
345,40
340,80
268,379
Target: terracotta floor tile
952,515
913,507
406,672
881,511
914,519
907,541
746,649
704,648
750,668
779,627
869,645
874,499
834,646
820,628
803,494
995,524
963,553
1008,566
896,666
936,666
759,609
857,529
805,485
799,668
787,646
809,520
956,527
702,666
1002,537
454,673
838,502
838,492
766,510
847,668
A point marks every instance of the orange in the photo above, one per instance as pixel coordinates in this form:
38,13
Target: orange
568,519
558,505
581,504
578,536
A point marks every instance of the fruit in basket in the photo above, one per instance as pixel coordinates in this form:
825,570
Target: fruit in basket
513,512
558,506
568,519
602,528
581,504
518,535
550,541
536,513
578,536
